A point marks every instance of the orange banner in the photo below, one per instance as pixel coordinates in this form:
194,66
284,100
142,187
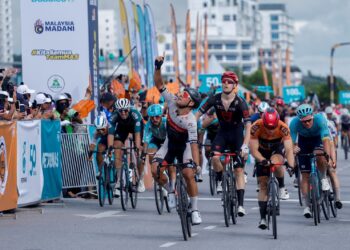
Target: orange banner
188,49
197,53
288,81
273,68
8,166
206,55
263,68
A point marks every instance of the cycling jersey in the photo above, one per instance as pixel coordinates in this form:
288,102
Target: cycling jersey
332,129
99,138
345,119
269,139
154,134
121,128
180,128
236,114
318,129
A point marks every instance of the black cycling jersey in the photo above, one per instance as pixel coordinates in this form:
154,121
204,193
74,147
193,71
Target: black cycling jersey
236,114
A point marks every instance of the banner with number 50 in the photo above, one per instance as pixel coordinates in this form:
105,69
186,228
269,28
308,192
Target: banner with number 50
29,171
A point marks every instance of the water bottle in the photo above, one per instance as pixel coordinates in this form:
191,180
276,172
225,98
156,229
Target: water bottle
130,175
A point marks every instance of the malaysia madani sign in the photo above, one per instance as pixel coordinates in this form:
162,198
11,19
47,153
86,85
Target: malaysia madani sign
58,45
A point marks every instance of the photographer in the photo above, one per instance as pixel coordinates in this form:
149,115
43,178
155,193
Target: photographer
41,107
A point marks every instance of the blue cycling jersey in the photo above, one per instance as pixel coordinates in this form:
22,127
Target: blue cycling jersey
255,117
151,131
319,128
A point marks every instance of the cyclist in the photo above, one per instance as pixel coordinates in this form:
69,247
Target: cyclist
154,135
182,139
281,109
345,125
100,139
262,107
313,137
270,141
233,115
211,124
124,121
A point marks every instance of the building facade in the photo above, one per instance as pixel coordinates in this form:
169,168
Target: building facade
6,37
107,31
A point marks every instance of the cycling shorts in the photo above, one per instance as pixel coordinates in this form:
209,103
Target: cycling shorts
345,127
169,151
265,171
307,145
155,143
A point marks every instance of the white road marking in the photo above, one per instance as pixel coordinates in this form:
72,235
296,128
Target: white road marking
194,234
168,244
254,208
209,227
107,214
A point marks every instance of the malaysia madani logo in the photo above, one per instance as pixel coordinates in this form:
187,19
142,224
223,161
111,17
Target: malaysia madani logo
38,27
56,83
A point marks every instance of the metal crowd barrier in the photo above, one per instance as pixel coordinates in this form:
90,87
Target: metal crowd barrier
77,170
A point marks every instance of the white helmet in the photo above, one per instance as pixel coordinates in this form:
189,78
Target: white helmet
263,106
100,122
328,110
122,103
344,111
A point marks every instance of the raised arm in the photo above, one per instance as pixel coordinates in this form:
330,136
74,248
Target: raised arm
158,80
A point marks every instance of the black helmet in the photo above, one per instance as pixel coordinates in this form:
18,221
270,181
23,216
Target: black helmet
195,96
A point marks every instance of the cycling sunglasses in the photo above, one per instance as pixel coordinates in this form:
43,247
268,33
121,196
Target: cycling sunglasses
307,121
186,95
123,110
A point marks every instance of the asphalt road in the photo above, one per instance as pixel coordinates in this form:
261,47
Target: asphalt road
82,224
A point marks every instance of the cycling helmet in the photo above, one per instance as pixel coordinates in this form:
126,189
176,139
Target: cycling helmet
279,102
122,103
230,75
293,105
155,110
100,122
270,118
328,110
344,111
263,106
60,97
304,110
195,96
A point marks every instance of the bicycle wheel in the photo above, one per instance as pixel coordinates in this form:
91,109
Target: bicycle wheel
134,185
158,197
325,204
181,209
102,188
110,183
226,199
234,200
274,204
346,146
332,204
314,209
124,188
300,195
212,179
168,208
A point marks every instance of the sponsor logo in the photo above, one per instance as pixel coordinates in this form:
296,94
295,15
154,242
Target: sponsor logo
3,166
50,160
56,83
56,55
53,26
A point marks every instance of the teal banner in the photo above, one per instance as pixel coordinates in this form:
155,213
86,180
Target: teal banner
293,94
344,97
209,81
263,89
51,159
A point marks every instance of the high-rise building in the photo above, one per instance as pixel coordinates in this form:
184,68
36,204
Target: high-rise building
6,41
234,33
277,32
107,29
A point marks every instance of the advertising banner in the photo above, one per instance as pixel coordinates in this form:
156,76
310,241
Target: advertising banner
29,170
293,93
208,81
8,166
51,159
55,46
344,97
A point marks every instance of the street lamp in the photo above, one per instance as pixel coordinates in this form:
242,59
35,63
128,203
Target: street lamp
337,45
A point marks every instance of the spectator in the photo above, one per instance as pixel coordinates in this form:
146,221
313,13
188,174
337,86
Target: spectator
7,109
107,101
41,107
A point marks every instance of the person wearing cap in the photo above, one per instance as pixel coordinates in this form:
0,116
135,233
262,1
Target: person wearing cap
25,92
233,114
42,107
281,109
107,101
7,110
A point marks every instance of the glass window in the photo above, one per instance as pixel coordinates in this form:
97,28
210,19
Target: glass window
217,46
274,17
205,4
167,46
193,46
231,57
234,18
213,16
247,68
218,57
168,57
246,46
212,2
274,26
274,36
226,17
235,2
228,2
231,46
246,57
168,69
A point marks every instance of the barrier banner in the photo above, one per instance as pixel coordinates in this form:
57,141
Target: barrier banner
51,159
29,170
8,166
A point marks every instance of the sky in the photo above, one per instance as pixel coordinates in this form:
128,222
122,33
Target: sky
319,24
